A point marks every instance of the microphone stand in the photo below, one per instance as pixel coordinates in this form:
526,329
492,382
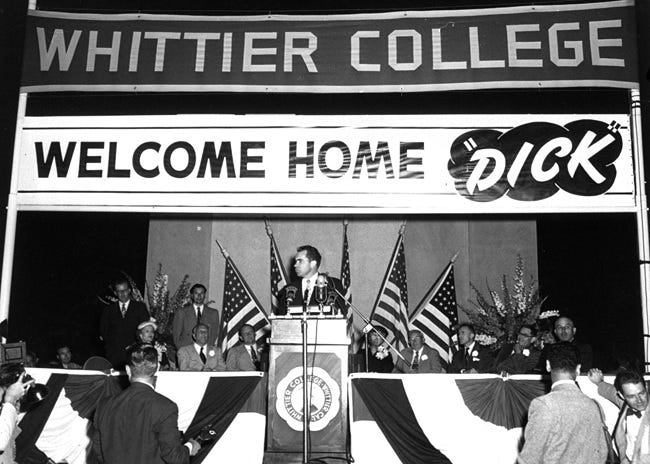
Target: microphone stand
305,394
368,327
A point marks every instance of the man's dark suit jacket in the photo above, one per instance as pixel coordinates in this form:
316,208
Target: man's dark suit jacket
118,332
483,361
514,363
332,282
185,321
138,426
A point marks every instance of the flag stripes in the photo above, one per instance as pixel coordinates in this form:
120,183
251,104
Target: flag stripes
391,308
437,314
240,307
346,281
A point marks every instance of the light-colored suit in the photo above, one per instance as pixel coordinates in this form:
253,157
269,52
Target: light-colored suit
641,453
429,361
189,359
185,321
564,427
239,358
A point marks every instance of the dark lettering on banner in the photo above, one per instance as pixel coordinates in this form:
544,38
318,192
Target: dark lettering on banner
137,160
216,163
382,155
54,156
533,161
526,46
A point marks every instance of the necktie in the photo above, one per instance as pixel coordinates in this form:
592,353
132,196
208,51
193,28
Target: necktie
415,364
256,361
202,356
306,295
632,412
198,314
467,358
123,309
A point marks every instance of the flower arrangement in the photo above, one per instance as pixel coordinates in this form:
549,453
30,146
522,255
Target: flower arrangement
498,317
162,306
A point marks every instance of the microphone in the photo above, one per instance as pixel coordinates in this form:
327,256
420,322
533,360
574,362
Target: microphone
321,289
290,294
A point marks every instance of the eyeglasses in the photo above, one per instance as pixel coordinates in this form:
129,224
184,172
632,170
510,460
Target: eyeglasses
525,335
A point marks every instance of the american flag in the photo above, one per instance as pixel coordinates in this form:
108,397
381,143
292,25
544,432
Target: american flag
437,314
239,307
345,280
391,308
278,276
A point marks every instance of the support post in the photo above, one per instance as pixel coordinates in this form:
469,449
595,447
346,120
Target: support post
641,218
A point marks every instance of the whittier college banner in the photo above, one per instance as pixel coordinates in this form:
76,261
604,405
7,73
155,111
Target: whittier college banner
581,45
285,163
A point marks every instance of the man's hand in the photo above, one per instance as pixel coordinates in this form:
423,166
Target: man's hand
16,390
596,376
195,446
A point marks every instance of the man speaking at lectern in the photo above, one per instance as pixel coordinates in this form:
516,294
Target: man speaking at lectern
310,283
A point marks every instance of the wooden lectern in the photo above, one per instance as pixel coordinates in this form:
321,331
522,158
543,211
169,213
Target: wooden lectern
327,360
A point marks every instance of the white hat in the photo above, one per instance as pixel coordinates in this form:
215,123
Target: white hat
151,322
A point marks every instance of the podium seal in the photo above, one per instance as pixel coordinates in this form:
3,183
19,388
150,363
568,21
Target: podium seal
324,401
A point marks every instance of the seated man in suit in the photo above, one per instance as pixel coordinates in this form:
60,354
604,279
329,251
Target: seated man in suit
420,358
186,318
138,424
521,357
471,358
305,288
64,359
199,356
244,356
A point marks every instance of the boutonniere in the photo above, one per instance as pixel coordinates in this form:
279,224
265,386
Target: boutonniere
211,353
424,357
474,353
381,353
526,352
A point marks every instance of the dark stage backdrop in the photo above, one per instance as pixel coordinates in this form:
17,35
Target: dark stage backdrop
587,263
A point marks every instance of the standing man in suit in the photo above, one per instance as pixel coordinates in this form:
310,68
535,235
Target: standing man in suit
420,358
632,429
119,323
565,425
244,356
186,318
471,358
139,425
199,356
306,264
521,357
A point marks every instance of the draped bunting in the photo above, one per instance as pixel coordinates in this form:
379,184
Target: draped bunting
390,407
459,419
508,401
58,427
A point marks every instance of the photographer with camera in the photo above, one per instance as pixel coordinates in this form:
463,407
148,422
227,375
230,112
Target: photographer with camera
13,385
